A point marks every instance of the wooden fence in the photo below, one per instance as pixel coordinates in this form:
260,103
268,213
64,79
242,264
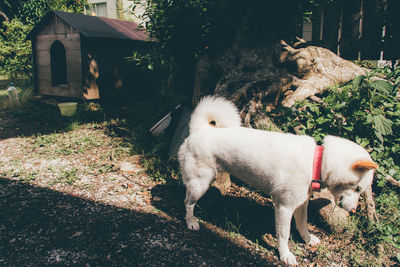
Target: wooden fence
358,29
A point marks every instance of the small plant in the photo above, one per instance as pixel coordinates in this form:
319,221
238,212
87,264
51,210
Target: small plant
233,227
67,176
28,176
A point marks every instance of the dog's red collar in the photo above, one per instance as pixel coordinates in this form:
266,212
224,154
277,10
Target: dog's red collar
316,174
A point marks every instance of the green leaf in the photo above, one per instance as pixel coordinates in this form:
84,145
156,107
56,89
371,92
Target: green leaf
382,85
379,136
369,118
321,120
314,109
383,125
349,128
364,143
357,81
397,80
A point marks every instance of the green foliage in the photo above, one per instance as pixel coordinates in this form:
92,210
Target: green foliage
180,29
181,26
31,11
366,111
388,229
15,50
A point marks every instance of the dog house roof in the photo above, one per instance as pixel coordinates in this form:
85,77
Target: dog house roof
97,27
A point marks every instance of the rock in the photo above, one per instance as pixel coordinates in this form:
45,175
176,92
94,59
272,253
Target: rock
127,167
334,216
157,198
77,234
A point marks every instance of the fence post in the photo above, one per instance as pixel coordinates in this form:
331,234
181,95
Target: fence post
392,38
373,22
351,30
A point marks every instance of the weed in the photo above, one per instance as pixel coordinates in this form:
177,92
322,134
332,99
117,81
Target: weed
74,125
233,227
100,168
66,176
28,176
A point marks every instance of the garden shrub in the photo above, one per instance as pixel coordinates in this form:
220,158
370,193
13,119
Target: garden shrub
366,111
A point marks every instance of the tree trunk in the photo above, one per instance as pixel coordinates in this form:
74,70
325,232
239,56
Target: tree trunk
271,75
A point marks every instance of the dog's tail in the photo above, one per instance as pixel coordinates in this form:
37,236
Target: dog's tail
216,112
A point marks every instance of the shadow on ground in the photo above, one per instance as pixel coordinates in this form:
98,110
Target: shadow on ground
40,227
36,118
236,214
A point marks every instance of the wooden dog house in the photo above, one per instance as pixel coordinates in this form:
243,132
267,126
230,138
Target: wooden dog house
82,56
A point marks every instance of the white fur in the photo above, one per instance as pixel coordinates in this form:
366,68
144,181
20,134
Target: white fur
275,163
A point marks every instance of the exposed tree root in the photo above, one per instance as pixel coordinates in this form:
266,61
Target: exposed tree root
370,204
393,181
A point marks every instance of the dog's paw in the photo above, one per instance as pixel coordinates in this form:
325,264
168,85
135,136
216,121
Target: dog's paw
192,224
288,259
313,240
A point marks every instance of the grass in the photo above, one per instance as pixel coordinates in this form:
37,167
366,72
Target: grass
67,176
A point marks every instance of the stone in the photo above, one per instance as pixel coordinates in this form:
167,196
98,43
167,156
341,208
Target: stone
127,167
334,216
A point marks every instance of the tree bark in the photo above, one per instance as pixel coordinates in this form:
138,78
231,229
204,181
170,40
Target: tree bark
279,74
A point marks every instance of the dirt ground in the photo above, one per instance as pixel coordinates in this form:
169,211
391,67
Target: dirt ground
66,201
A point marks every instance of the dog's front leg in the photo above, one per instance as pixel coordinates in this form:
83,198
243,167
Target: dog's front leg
283,217
300,215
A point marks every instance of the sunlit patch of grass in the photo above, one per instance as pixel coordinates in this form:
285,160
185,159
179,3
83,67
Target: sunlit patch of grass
67,143
66,176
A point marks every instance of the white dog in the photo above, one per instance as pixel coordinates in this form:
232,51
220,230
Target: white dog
278,164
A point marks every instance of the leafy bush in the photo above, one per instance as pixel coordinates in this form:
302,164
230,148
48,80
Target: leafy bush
31,11
15,50
366,111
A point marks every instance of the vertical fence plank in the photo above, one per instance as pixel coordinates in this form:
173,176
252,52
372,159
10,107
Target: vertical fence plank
392,40
371,41
350,41
317,25
358,29
331,26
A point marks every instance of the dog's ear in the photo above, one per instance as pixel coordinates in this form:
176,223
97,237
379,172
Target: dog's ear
364,165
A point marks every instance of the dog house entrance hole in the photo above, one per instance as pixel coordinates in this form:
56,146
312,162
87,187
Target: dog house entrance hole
58,64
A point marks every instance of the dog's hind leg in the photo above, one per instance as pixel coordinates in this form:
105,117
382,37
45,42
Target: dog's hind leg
196,187
300,215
